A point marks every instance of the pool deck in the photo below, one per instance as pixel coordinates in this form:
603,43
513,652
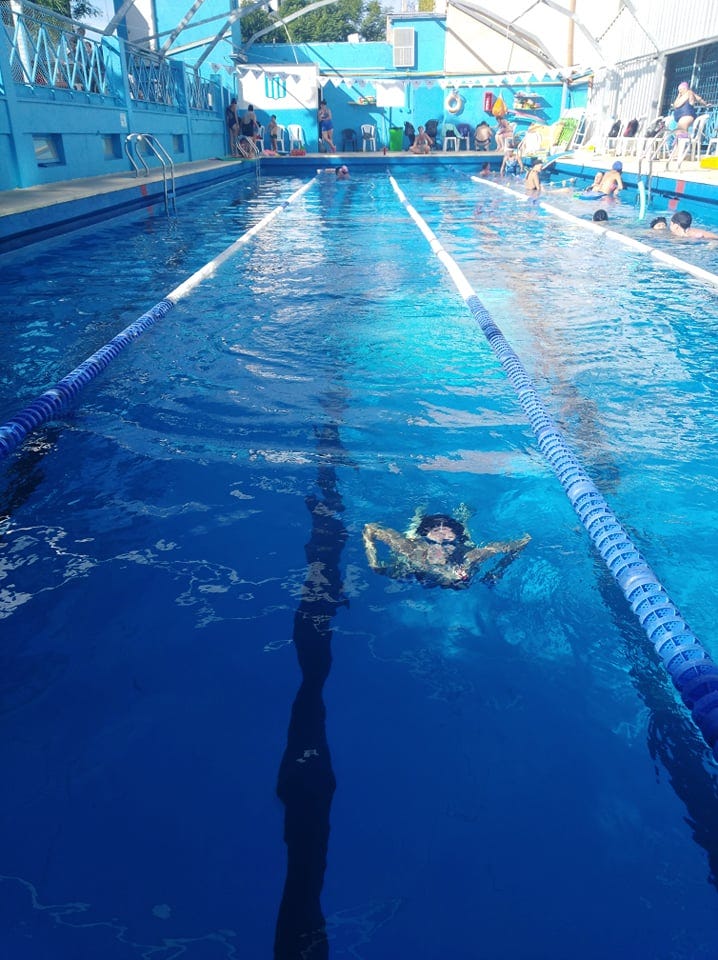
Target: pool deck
34,213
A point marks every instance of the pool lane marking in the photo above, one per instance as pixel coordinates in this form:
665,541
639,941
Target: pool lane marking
663,258
53,401
692,670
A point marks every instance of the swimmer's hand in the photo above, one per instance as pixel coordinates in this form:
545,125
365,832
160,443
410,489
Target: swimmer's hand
520,544
368,535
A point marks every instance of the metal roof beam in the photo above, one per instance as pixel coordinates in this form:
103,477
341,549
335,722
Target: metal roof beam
181,25
285,20
521,38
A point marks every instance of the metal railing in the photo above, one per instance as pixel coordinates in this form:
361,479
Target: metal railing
151,78
133,141
49,50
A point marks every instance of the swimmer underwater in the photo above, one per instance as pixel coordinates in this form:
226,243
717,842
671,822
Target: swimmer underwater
436,550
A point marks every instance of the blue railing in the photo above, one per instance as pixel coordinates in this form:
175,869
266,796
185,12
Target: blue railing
49,50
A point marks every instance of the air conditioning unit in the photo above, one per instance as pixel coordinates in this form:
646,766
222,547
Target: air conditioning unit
404,47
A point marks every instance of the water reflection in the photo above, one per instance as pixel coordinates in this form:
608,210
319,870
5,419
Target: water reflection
306,781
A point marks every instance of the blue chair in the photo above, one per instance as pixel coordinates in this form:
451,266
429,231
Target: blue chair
349,137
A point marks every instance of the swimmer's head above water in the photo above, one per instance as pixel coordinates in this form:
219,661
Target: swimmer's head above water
439,527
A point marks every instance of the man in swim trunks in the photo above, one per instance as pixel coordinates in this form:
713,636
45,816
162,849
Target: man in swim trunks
249,132
437,551
482,136
681,227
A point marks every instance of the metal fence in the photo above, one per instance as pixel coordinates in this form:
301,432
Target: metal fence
50,50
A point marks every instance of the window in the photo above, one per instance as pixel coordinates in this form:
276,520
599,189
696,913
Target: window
698,67
112,149
404,47
177,143
48,149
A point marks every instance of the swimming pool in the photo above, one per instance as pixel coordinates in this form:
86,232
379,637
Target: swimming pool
514,777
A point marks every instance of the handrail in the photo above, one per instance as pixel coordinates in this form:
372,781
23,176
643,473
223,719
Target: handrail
165,161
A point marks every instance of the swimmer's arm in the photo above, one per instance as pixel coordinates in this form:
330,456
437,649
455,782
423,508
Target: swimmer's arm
395,541
479,554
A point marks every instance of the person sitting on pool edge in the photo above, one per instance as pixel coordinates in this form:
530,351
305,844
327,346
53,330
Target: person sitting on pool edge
681,227
436,550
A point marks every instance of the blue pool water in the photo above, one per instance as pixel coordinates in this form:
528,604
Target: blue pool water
515,779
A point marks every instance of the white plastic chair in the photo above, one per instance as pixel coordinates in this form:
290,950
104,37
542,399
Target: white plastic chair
368,136
449,137
690,145
296,137
463,132
628,146
281,139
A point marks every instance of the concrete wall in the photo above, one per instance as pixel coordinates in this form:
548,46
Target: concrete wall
352,72
86,128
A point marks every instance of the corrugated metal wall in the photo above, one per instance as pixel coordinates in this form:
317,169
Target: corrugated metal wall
669,24
635,86
632,90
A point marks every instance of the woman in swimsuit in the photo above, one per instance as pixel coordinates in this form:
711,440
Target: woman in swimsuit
326,125
684,106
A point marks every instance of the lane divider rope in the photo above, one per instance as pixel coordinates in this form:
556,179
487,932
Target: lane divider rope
692,670
53,401
661,256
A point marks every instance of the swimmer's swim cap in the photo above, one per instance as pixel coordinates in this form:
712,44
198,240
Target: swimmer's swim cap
618,166
436,519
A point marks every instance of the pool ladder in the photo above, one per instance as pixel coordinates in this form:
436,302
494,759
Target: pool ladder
132,143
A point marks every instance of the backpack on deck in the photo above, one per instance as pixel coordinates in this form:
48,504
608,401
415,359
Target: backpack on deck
657,128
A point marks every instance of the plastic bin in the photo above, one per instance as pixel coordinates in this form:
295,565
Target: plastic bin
396,138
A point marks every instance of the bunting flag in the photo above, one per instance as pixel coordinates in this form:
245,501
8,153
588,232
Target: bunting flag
298,73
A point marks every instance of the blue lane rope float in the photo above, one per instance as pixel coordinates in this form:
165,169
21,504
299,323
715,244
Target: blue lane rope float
691,668
58,398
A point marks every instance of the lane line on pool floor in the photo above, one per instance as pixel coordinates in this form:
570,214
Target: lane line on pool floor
58,398
690,666
665,259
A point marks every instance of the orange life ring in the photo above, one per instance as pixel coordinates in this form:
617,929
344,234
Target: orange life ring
454,103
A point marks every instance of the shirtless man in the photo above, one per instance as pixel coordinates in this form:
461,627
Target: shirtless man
437,552
611,182
681,227
533,178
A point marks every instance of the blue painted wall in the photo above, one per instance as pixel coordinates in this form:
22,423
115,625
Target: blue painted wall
425,99
90,127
